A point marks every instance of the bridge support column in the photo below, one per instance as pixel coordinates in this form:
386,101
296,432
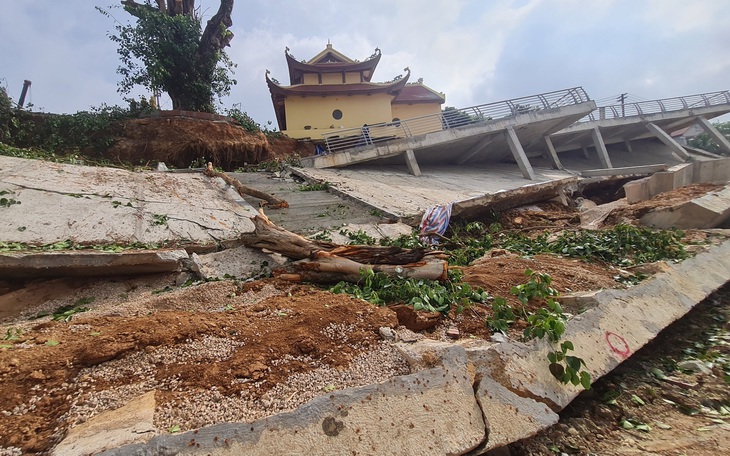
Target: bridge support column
627,144
601,148
519,153
411,163
551,154
714,133
664,137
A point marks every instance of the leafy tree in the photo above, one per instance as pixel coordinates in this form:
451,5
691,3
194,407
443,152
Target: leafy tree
704,141
167,50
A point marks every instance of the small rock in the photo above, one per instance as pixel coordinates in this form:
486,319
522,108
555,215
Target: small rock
161,166
386,333
14,362
694,365
498,338
453,332
573,431
406,335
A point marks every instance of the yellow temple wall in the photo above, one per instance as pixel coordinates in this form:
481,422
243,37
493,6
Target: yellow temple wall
409,111
316,112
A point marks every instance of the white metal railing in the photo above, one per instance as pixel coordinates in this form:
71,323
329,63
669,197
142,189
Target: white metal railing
618,111
450,118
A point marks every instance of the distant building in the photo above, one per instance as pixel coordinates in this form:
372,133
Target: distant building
331,91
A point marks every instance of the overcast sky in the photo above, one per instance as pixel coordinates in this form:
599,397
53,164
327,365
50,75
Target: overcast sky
475,51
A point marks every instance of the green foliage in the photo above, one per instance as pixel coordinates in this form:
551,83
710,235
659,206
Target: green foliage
70,245
704,141
6,114
243,119
567,368
547,321
502,317
159,219
314,187
406,241
622,245
165,53
359,238
422,294
65,313
538,286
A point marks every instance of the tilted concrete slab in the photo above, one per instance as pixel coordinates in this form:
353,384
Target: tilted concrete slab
708,211
406,197
106,206
458,145
93,205
433,412
621,129
620,324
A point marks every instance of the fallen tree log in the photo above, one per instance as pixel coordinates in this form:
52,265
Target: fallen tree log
326,262
328,268
270,200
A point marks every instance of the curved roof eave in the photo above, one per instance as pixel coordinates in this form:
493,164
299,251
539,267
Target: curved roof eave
297,68
365,88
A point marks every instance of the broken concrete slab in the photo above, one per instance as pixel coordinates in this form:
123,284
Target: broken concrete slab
406,197
23,265
624,171
708,211
375,419
622,322
240,262
129,424
94,205
592,218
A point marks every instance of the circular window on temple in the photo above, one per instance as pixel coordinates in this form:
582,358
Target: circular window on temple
337,114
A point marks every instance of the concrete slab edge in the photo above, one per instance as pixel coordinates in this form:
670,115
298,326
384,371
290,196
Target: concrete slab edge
89,263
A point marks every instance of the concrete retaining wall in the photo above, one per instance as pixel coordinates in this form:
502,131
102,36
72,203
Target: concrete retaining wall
479,396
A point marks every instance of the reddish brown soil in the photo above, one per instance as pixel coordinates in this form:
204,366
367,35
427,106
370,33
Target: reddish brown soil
181,141
278,326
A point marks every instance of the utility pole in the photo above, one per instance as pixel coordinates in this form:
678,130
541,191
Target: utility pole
622,99
26,86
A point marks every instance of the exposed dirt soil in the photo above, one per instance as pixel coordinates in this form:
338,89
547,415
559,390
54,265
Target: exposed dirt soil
225,351
180,141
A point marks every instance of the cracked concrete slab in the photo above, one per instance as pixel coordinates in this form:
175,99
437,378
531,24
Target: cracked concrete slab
51,203
92,205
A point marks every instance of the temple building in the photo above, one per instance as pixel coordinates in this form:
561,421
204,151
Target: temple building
332,91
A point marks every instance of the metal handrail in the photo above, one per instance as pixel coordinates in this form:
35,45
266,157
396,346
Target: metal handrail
641,108
342,139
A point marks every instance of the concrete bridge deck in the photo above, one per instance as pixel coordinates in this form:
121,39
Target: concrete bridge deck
493,132
524,130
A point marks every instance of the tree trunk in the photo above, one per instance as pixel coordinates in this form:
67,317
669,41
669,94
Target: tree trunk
271,200
326,262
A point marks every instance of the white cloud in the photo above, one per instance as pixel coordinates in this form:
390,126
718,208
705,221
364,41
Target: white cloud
474,51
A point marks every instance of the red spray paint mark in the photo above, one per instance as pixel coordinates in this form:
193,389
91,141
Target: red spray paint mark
618,344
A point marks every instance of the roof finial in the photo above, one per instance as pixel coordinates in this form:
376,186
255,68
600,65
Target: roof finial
329,44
